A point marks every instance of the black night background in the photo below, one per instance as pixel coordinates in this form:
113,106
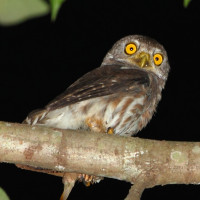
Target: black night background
40,59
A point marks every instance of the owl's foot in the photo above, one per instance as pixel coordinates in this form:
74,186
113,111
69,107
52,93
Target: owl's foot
89,179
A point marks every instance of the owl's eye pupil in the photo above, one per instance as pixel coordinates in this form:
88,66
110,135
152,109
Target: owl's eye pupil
156,58
131,49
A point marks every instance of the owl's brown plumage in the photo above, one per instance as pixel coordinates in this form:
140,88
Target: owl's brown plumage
121,95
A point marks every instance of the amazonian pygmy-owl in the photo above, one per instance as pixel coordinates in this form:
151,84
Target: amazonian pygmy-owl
119,97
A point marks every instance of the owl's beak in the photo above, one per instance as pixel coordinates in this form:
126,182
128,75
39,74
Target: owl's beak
143,60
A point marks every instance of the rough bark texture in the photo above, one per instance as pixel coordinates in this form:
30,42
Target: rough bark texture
143,162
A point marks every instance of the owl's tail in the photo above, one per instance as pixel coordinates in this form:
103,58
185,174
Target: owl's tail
36,117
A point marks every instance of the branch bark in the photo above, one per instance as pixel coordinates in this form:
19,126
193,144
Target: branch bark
145,163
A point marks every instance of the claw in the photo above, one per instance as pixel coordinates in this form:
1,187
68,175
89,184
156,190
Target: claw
89,179
86,179
87,184
110,131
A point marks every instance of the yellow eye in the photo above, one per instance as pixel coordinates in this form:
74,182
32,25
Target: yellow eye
158,59
130,49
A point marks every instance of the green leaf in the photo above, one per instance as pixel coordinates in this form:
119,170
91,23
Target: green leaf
16,11
3,195
55,6
186,3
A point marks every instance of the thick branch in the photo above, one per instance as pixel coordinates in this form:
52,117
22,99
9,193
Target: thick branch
131,159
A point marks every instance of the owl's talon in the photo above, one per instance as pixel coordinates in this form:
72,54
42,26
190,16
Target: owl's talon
110,131
87,184
89,179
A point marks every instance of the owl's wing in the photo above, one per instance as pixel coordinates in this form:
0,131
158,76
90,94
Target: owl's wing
102,81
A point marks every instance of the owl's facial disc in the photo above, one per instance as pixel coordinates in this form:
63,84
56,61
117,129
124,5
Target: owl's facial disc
142,57
137,51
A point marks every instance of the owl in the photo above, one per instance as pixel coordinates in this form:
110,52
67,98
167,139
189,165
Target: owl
119,97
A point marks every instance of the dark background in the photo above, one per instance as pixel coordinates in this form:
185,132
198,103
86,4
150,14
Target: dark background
39,59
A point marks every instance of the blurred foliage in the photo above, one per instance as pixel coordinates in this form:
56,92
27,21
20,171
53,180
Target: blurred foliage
16,11
55,6
186,3
13,12
3,195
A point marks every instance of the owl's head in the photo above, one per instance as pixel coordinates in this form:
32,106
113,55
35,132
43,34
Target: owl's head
140,52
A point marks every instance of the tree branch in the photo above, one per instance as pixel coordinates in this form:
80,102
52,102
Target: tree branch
142,162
